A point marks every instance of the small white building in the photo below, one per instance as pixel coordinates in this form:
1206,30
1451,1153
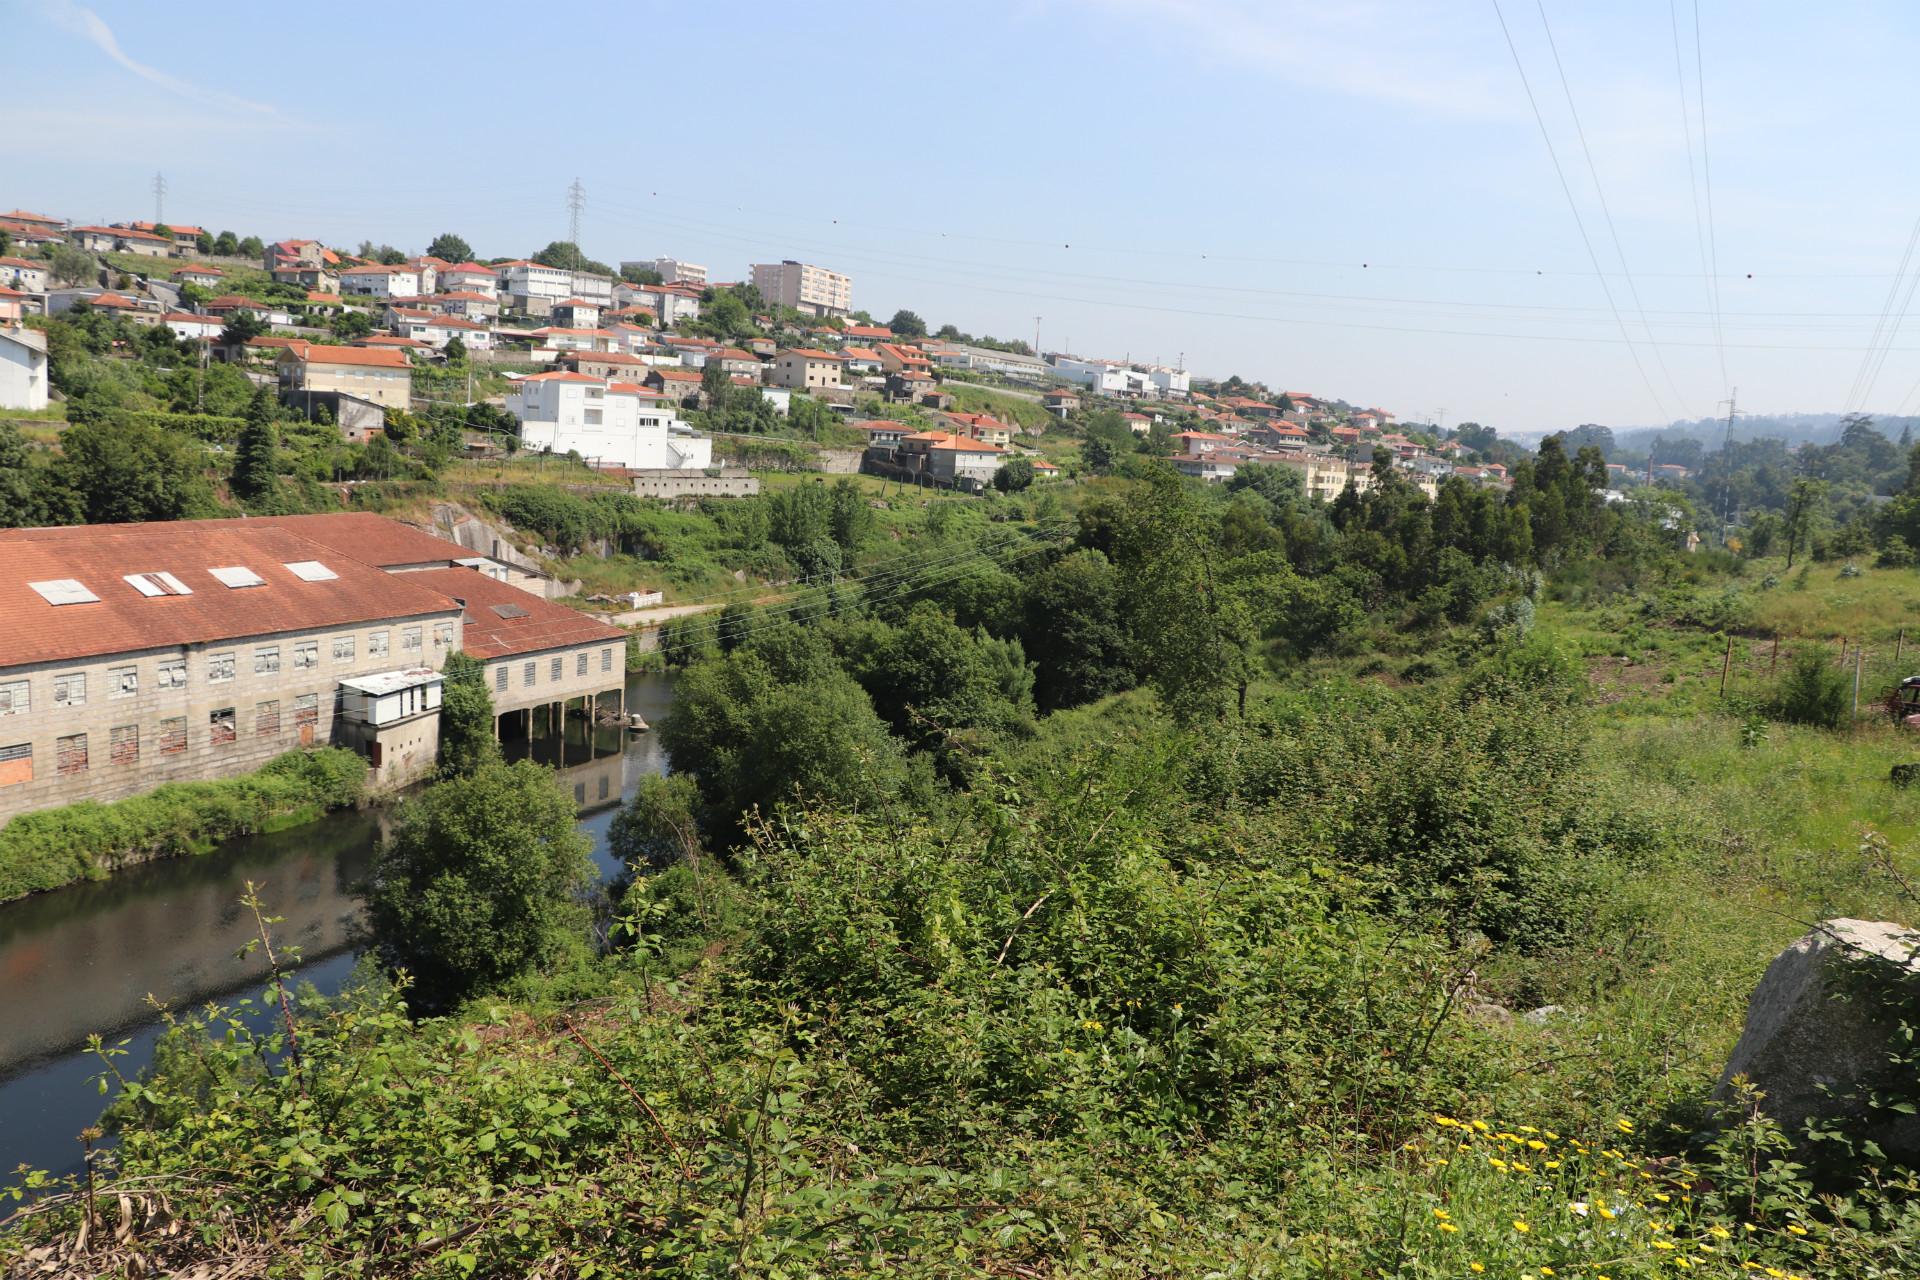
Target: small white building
532,288
612,423
20,273
197,328
23,369
437,330
381,282
468,277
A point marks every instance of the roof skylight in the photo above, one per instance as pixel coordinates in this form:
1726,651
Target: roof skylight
64,591
237,575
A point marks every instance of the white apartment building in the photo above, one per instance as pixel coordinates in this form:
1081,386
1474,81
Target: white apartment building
596,289
1169,383
436,330
531,288
670,303
381,282
810,290
469,277
612,423
674,271
1103,377
23,369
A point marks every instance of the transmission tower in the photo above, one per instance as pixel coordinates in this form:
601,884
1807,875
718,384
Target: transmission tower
159,198
576,201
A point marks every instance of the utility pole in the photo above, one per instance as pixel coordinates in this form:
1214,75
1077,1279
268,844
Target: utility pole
159,197
576,201
1036,335
1726,479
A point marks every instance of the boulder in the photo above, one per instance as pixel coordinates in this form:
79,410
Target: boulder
1804,1043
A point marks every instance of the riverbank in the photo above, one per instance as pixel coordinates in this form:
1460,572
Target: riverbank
53,848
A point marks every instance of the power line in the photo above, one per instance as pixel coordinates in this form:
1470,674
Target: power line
1606,212
1701,228
1869,371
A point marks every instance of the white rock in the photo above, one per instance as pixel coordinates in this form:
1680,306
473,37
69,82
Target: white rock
1801,1039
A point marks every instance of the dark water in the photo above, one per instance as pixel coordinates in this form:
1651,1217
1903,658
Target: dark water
91,958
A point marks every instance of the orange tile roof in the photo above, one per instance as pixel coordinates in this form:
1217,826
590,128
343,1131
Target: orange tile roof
537,625
368,357
383,341
202,271
371,539
560,375
878,331
808,353
22,262
676,375
380,269
122,620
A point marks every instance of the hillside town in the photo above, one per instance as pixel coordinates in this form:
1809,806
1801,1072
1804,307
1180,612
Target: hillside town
608,365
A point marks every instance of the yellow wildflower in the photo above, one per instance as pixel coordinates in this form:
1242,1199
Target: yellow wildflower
1521,1227
1720,1233
1624,1126
1483,1127
1663,1244
1662,1197
1551,1164
1474,1266
1536,1144
1527,1128
1446,1122
1448,1226
1441,1214
1796,1228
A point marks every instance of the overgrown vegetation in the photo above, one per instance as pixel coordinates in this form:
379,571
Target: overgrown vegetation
89,840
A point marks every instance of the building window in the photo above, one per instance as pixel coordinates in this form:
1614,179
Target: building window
410,639
173,735
306,655
442,635
580,664
528,674
221,727
306,711
70,690
172,674
343,648
606,659
500,678
16,764
555,669
123,744
16,698
70,754
219,667
376,644
266,719
123,682
266,659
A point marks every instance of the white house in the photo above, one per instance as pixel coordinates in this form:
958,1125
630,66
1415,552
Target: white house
531,287
437,330
469,277
198,328
597,289
381,281
612,423
669,303
23,369
19,273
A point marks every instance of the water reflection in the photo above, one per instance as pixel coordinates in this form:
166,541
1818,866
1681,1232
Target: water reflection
84,959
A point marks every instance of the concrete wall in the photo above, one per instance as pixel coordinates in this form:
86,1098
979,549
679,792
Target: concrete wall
152,710
731,482
605,669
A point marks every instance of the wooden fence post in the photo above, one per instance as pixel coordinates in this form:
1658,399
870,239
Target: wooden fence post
1899,643
1774,660
1726,665
1858,655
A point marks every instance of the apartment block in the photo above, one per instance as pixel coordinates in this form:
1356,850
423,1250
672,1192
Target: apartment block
808,289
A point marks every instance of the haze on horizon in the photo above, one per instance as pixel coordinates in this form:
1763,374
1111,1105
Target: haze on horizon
1354,202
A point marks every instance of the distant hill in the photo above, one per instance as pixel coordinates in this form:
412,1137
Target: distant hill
1794,428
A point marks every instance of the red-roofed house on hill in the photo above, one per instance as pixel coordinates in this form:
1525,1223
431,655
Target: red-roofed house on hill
34,222
207,277
804,367
120,240
949,460
309,372
299,253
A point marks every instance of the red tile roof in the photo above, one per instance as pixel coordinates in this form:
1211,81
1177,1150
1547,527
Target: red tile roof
22,262
198,271
371,539
371,357
560,375
121,233
808,353
383,341
537,624
123,620
876,331
378,269
676,375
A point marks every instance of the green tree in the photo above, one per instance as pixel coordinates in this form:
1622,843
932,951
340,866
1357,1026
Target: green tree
71,265
23,485
716,387
1074,629
905,324
131,472
660,825
350,324
242,326
252,247
467,741
450,248
1803,514
256,463
455,350
1196,633
1813,691
479,882
1014,475
203,244
6,242
726,316
226,245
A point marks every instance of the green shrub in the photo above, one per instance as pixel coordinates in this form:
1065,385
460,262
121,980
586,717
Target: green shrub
1813,691
90,840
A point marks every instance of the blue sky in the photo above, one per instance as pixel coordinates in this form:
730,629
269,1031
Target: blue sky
1353,200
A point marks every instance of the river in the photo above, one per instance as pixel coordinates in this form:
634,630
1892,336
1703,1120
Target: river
86,958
